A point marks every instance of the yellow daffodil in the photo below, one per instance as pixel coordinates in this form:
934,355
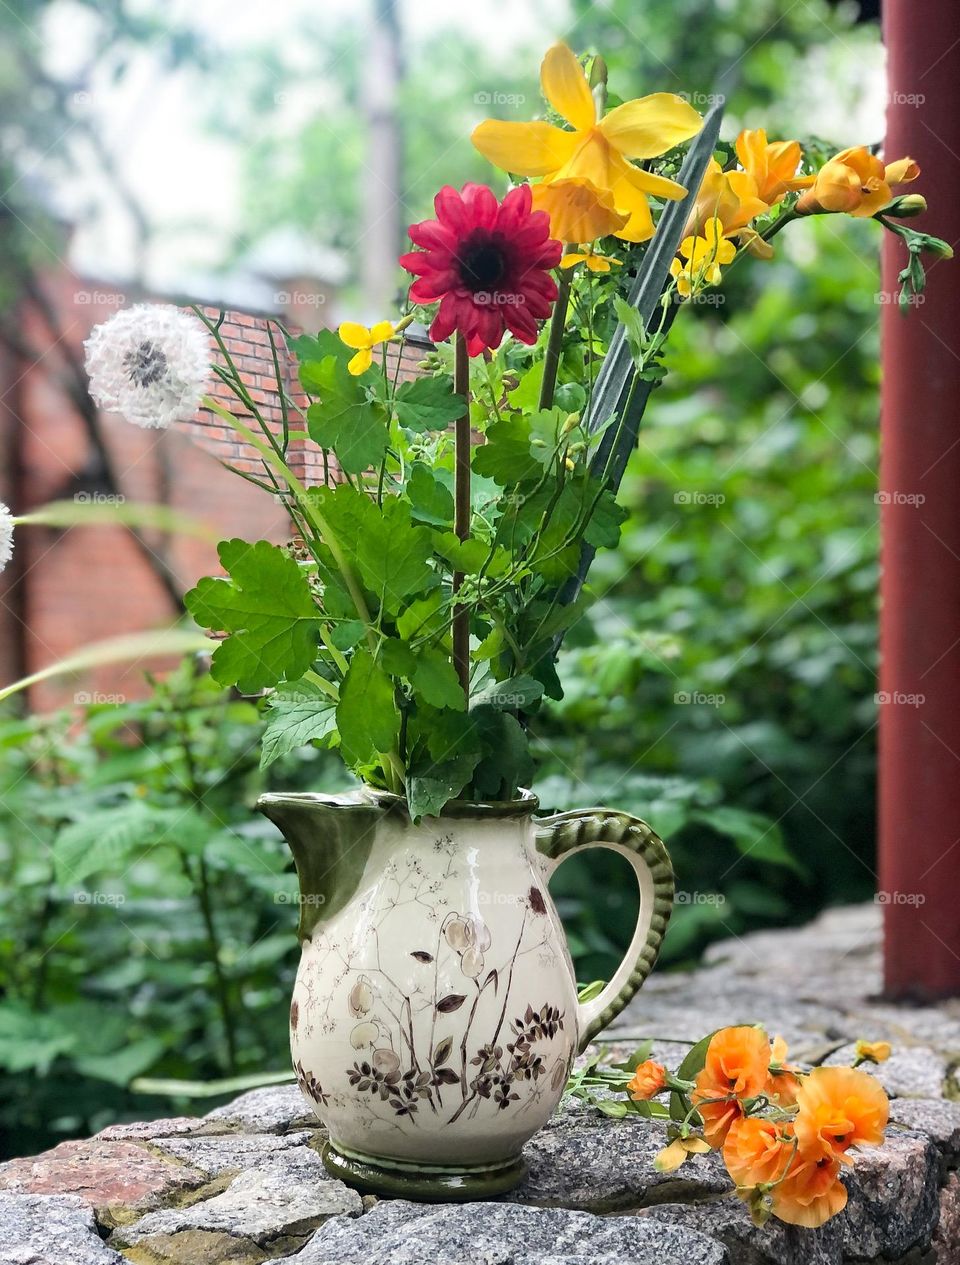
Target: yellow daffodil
363,340
597,149
593,260
578,210
856,182
728,196
678,1152
872,1052
772,166
704,255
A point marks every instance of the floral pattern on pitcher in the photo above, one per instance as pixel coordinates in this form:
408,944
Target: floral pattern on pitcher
447,1049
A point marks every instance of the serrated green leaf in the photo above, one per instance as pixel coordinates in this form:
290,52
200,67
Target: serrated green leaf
295,719
367,715
435,680
428,403
515,694
103,842
506,457
394,556
346,419
430,500
430,789
268,609
467,556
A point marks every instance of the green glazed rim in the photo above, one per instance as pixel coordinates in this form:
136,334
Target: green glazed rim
524,805
431,1183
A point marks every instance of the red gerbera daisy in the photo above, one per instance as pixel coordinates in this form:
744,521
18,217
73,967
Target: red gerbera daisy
487,262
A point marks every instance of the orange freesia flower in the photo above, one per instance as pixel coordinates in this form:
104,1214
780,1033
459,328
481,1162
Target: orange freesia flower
735,1068
840,1107
811,1193
648,1079
597,149
728,196
757,1150
857,183
578,210
772,166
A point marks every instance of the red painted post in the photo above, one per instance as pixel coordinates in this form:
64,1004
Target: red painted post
919,797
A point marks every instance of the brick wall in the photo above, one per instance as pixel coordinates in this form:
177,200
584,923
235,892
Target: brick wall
69,588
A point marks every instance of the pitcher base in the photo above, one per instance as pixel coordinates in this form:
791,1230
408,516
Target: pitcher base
429,1183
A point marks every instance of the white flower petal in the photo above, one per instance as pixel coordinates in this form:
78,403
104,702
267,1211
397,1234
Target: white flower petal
150,363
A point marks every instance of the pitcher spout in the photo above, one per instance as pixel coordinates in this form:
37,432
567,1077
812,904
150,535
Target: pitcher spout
330,837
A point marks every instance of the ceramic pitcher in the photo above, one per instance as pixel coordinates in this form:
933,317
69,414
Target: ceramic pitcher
435,1018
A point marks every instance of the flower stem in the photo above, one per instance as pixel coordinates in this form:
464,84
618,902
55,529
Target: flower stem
461,520
551,360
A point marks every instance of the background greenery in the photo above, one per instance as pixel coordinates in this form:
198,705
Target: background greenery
146,915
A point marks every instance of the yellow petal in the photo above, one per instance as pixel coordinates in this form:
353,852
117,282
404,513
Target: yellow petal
571,260
526,149
578,210
697,1146
902,172
671,1157
649,126
381,332
601,263
565,87
361,362
354,335
657,186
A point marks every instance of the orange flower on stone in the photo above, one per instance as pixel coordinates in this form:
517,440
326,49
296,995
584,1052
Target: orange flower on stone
857,183
840,1107
811,1193
648,1079
758,1150
773,166
735,1068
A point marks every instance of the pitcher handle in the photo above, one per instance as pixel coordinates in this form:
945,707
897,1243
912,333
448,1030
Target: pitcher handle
560,837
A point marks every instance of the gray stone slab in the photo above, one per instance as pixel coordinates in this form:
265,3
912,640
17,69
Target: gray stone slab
231,1152
893,1198
401,1233
913,1071
50,1230
273,1109
728,1221
937,1119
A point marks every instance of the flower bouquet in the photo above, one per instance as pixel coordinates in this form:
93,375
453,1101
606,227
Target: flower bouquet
414,618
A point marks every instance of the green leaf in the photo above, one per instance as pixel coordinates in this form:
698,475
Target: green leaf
516,694
347,419
295,719
104,841
311,350
268,609
435,680
420,616
754,834
119,1067
31,1040
367,715
428,403
506,457
603,529
433,787
430,500
506,764
467,556
394,556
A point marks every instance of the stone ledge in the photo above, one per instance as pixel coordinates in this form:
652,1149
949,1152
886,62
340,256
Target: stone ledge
245,1184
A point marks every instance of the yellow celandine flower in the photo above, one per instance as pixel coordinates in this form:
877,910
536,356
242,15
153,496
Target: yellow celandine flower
593,260
872,1051
771,165
363,341
678,1152
703,256
855,182
596,150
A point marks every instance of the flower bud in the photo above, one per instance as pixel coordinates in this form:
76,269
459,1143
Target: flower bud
937,246
598,72
571,423
907,206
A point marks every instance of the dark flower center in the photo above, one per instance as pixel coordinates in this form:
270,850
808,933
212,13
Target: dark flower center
482,263
145,364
